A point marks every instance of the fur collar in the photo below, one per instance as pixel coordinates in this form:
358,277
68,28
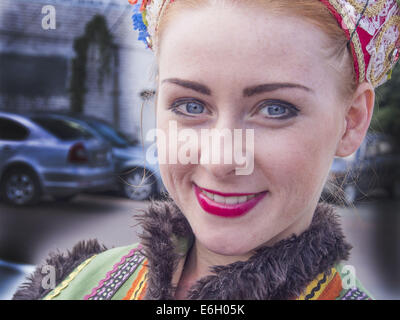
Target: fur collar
32,288
278,272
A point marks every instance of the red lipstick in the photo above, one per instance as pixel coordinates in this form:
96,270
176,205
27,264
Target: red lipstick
224,209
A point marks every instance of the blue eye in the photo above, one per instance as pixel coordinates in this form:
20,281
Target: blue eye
188,108
277,110
194,107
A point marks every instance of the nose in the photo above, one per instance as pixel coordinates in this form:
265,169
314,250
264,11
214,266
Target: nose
223,150
214,161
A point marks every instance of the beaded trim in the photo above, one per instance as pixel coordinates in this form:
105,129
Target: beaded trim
115,278
70,277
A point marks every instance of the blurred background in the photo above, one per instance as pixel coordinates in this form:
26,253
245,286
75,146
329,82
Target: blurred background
76,93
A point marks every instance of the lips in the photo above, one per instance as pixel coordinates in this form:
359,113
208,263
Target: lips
228,205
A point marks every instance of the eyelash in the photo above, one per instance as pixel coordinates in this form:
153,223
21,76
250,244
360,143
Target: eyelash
175,107
293,110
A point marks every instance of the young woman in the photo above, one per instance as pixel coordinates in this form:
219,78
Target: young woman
300,75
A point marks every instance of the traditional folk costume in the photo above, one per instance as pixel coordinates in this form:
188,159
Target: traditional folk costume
305,267
308,266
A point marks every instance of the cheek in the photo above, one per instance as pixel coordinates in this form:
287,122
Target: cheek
166,169
175,175
296,161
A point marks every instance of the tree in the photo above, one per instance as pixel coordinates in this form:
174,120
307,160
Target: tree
96,32
386,118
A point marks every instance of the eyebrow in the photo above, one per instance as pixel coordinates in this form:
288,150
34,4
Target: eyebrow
268,87
190,85
247,92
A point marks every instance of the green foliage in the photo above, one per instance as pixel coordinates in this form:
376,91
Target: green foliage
96,32
387,120
386,117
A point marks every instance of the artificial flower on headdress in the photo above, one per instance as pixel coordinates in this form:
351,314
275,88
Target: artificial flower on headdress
146,17
139,21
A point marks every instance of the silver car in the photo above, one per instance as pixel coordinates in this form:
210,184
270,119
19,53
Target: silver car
136,178
47,155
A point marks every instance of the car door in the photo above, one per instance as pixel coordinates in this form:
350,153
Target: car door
386,162
378,164
367,174
12,135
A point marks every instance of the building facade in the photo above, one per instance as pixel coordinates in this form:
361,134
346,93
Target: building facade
36,61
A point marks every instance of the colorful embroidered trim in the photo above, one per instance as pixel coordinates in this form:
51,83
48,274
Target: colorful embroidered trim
333,289
348,24
318,286
355,294
371,26
138,288
143,291
115,278
146,18
70,277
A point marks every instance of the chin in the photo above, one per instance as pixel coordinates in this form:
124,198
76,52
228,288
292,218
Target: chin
229,236
226,243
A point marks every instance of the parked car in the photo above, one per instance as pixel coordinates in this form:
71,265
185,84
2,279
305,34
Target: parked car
136,178
375,165
49,155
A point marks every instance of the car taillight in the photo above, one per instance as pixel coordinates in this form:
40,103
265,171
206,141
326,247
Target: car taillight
78,153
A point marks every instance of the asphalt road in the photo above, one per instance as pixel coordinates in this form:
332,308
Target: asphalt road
27,235
373,228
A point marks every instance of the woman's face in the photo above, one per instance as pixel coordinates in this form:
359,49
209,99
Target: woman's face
217,53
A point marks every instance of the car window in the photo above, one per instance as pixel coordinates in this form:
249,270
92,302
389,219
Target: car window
11,130
109,133
63,129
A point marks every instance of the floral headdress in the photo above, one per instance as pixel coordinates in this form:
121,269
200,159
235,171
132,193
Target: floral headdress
146,16
372,28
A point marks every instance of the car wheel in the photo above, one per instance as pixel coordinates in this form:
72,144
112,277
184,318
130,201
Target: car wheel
350,193
138,184
20,187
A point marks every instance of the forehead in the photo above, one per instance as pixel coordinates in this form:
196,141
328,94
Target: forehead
242,45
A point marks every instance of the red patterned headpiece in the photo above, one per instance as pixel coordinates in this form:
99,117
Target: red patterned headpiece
371,26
